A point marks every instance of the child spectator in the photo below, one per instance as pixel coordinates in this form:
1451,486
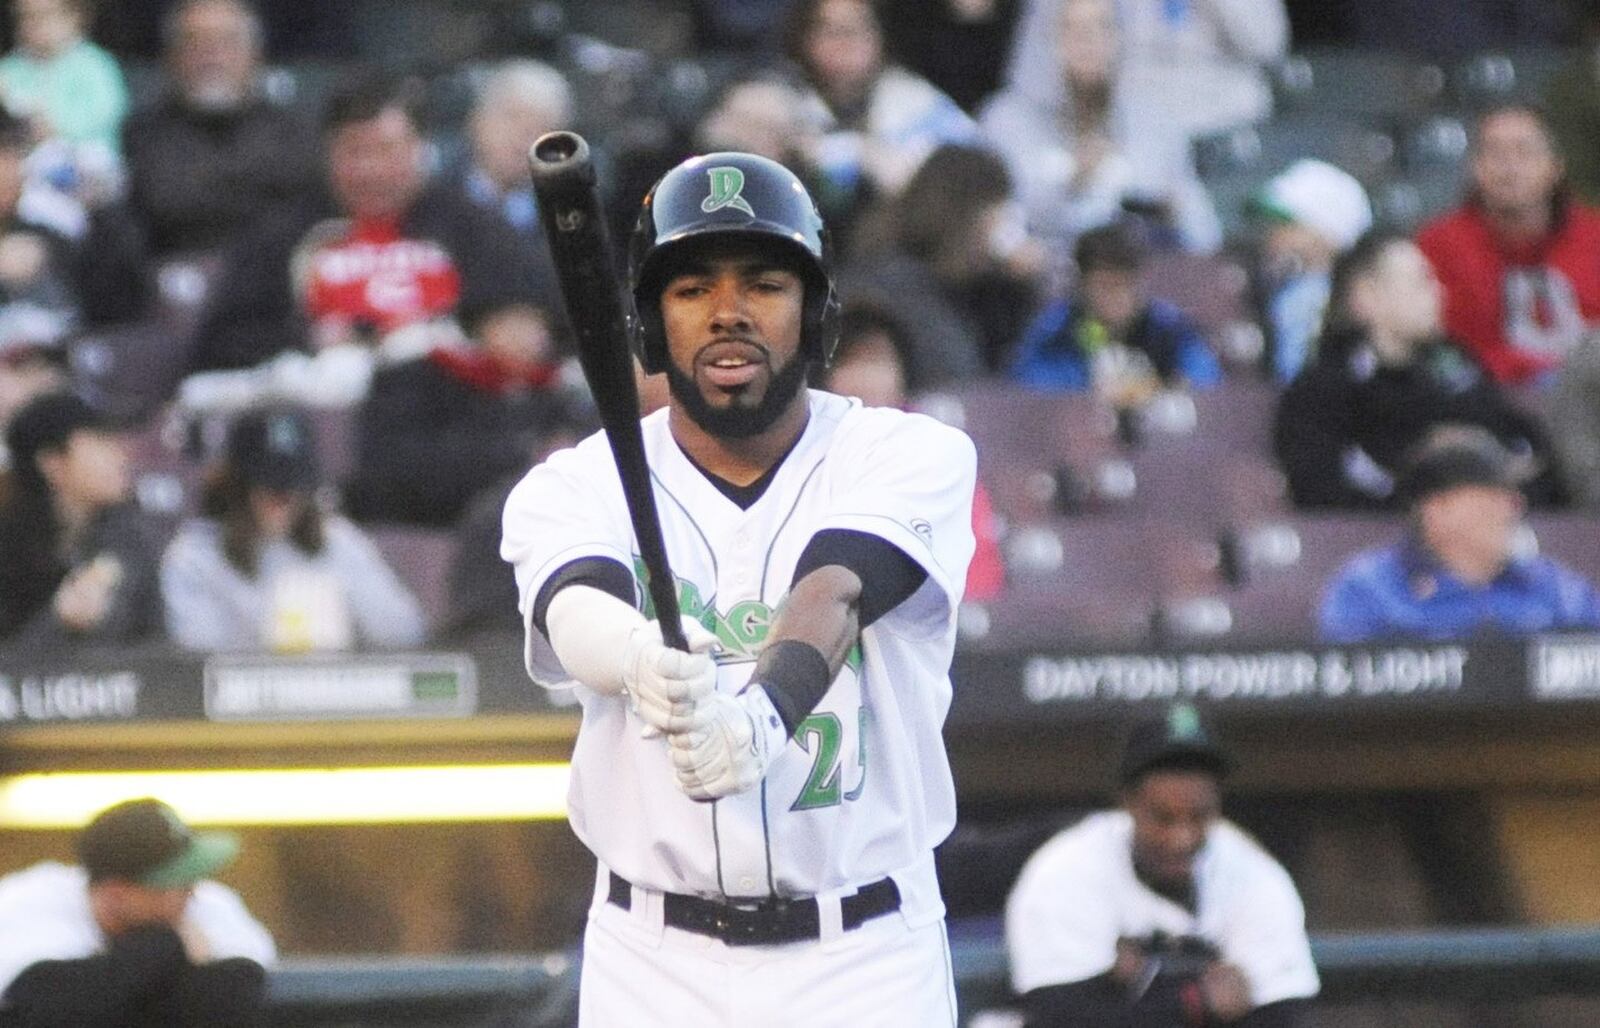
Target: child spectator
266,568
71,88
1113,337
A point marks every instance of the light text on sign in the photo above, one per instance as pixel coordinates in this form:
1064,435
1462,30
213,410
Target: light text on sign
71,696
1566,668
1273,676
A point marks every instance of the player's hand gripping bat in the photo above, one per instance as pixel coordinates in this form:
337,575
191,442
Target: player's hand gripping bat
564,181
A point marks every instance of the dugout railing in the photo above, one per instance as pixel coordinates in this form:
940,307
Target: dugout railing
1465,966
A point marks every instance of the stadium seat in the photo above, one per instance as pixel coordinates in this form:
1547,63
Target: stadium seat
422,558
1361,82
1284,564
1571,537
336,430
1486,79
129,370
166,480
1214,291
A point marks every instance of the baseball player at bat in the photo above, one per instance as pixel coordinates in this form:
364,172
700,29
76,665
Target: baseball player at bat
763,808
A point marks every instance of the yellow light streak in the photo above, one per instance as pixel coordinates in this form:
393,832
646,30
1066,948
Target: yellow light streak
298,796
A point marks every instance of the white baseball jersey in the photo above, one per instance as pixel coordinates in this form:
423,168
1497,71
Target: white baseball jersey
864,789
1079,894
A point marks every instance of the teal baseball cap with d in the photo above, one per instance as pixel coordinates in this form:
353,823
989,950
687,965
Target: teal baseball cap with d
145,842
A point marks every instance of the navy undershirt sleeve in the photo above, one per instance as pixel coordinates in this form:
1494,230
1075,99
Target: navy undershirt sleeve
888,576
603,573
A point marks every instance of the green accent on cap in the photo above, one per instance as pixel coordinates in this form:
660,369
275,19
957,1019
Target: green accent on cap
206,854
1264,206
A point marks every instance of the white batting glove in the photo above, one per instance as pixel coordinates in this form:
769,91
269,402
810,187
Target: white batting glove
665,685
732,742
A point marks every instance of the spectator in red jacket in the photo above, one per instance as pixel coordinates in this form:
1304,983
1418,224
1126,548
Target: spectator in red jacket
1520,259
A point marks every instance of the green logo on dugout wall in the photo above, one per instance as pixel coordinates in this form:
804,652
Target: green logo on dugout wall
740,632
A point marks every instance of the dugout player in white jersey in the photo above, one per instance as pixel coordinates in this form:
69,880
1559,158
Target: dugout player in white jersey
763,810
1160,914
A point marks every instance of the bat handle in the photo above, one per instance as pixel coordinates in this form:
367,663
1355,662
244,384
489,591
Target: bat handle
665,598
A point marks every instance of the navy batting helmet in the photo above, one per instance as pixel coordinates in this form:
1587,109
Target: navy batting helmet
737,194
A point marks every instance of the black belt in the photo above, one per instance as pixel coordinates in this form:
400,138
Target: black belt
767,922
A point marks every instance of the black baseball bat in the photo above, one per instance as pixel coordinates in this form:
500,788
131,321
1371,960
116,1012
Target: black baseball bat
569,206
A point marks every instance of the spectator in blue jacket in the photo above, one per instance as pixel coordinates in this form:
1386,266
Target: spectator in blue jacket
1457,573
1113,336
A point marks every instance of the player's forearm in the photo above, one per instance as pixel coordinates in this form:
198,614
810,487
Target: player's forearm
809,638
821,611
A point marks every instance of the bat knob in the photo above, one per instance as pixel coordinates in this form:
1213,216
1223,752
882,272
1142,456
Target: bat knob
559,148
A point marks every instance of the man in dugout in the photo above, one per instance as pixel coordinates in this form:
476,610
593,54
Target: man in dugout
1160,914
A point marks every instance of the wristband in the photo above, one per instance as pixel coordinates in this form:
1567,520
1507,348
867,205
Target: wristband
796,676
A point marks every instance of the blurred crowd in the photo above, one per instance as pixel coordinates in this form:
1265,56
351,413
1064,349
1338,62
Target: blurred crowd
271,314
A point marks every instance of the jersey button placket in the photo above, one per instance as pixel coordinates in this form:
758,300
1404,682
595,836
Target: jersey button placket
744,555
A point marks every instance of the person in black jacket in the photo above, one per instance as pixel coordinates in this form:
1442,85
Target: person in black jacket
1382,377
435,432
388,259
135,937
213,152
77,561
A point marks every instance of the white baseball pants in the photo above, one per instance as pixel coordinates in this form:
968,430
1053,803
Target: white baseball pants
884,974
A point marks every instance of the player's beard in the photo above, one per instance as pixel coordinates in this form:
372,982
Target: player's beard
734,421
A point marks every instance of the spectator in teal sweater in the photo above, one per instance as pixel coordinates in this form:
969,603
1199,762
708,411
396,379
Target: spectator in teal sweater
60,79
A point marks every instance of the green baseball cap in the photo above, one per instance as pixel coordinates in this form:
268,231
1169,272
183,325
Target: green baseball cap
144,841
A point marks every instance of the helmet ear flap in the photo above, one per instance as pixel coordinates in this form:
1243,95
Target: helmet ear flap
647,337
822,323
